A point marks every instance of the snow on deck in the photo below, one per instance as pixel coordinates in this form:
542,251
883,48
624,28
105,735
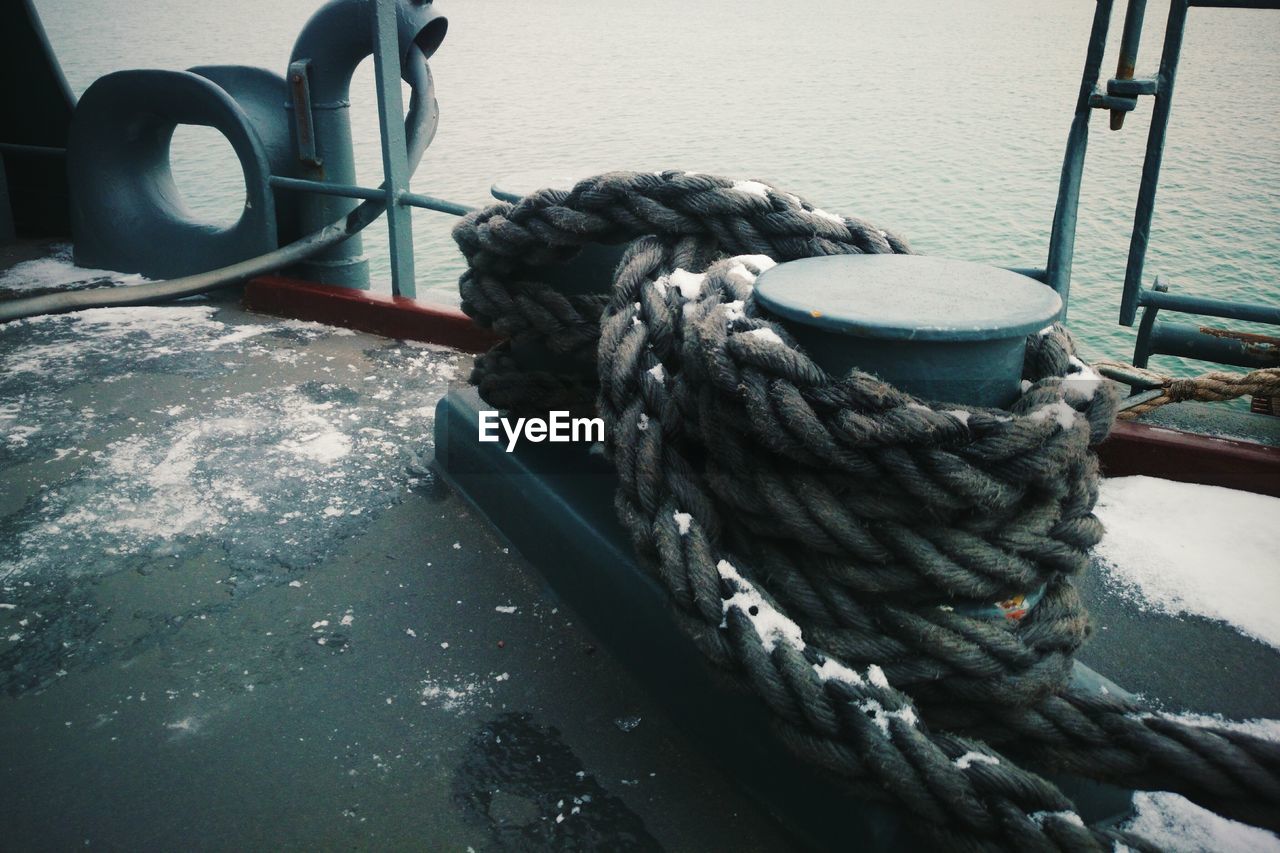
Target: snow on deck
59,272
135,438
1175,823
1180,548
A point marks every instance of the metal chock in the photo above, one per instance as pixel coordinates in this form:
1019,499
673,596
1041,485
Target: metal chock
300,92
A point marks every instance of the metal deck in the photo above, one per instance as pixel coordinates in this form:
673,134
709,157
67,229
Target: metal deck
238,611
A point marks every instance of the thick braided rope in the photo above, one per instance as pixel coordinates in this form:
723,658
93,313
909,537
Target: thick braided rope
505,244
733,393
853,507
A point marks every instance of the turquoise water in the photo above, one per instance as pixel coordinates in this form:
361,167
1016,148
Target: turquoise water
943,121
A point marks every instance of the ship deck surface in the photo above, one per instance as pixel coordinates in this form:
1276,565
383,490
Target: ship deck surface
239,610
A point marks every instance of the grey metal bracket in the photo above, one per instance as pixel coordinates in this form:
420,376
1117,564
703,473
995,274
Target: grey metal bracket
300,94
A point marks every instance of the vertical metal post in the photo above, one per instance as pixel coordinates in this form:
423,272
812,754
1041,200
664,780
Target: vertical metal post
1129,40
395,158
1062,238
1151,164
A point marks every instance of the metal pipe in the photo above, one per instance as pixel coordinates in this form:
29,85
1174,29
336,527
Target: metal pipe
1226,309
343,190
1062,239
1130,37
337,38
437,204
1218,345
412,199
1151,163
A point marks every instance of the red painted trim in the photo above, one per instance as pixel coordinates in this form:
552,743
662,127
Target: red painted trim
389,316
1132,448
1138,448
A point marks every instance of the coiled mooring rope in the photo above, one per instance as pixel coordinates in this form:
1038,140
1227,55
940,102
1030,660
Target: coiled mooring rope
820,535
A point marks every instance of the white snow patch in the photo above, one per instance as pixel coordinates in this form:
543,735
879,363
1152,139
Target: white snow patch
833,670
739,270
771,625
241,333
683,520
337,331
1175,823
98,331
765,334
1083,383
959,414
760,262
1059,411
657,372
59,270
753,187
324,445
734,310
1260,728
774,627
459,695
187,725
1070,817
967,760
742,274
505,609
831,217
1182,548
690,284
643,423
17,435
881,717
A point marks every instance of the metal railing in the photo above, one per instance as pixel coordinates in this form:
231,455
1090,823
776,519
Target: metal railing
1120,96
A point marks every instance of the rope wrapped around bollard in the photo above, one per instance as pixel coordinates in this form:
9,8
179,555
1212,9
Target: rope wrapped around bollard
820,534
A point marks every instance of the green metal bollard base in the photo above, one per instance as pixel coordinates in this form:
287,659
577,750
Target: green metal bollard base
554,503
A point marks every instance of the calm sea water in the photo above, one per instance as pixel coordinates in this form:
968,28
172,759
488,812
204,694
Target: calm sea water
944,121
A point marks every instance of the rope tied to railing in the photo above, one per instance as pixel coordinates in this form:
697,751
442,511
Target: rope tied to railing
1213,386
819,535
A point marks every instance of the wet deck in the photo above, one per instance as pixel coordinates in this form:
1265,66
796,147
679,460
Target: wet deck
238,610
